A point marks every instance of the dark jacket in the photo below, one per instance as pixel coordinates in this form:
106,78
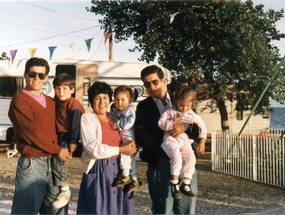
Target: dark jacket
149,136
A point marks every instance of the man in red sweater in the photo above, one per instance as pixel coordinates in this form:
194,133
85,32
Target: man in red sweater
33,116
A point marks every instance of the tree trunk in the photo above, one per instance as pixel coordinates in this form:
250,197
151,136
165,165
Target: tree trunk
224,115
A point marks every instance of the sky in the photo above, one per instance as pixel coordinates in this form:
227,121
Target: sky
41,24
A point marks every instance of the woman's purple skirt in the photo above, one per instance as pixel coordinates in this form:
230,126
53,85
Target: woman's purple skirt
97,193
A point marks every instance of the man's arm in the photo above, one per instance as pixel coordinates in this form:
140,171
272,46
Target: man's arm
74,132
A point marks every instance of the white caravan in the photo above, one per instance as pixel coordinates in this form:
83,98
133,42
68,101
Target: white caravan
84,71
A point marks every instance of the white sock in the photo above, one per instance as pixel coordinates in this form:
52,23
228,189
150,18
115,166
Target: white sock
65,189
125,172
187,182
174,181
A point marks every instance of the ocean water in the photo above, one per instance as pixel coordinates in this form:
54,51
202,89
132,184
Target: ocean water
277,118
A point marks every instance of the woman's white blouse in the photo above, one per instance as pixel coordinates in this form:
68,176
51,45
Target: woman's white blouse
91,139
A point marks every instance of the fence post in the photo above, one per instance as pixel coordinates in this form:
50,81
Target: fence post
254,164
213,150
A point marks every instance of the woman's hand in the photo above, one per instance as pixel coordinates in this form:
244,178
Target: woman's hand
128,148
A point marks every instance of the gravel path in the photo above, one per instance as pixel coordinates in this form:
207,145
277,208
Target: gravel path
217,193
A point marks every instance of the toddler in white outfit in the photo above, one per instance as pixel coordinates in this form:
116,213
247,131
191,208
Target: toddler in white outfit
178,148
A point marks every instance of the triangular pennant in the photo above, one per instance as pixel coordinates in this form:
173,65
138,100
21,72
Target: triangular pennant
128,27
88,43
72,48
148,24
107,37
172,17
13,54
32,52
51,50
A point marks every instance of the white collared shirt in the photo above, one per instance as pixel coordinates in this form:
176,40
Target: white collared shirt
160,105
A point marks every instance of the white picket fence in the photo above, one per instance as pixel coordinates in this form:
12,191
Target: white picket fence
257,157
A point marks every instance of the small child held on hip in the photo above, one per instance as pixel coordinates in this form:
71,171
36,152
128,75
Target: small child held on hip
180,147
68,115
124,119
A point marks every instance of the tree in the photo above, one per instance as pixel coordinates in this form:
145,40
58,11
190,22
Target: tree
223,49
4,56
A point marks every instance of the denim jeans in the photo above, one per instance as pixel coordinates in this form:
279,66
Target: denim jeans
160,191
34,189
59,168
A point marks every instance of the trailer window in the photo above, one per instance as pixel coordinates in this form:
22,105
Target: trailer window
9,86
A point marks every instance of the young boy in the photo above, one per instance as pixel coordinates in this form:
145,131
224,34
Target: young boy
68,115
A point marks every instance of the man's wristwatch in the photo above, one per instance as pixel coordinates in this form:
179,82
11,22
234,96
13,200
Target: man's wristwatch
186,126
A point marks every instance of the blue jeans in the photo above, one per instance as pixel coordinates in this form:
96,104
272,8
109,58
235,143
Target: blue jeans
59,168
160,191
34,189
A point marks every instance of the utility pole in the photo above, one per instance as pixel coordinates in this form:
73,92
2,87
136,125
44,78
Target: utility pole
110,41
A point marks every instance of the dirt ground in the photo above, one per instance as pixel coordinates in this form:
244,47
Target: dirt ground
217,193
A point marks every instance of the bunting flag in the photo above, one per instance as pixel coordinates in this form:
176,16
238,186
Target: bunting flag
13,54
172,17
107,37
51,50
88,43
128,27
72,48
148,24
32,52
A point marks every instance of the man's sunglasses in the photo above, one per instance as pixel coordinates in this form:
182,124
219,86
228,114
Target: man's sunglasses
34,74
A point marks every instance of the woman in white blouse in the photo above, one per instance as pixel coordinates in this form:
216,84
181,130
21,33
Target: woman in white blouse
101,147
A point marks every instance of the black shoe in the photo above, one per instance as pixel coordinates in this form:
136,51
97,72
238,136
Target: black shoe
187,193
176,194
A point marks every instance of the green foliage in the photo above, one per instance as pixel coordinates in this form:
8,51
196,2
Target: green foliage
4,56
222,49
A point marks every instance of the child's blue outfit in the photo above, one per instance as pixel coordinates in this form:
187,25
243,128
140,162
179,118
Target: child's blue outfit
124,121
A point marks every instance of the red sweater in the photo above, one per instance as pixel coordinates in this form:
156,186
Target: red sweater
68,115
34,126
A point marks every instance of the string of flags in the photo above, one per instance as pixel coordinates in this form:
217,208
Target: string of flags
107,35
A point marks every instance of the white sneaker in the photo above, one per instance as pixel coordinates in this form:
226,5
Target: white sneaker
61,200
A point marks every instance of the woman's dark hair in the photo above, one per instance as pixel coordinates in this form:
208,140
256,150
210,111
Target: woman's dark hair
98,88
36,62
133,93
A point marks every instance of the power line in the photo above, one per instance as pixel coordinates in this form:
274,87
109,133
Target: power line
10,23
57,11
50,37
30,19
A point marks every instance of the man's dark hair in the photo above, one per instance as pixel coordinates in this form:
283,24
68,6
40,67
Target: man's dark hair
98,88
36,62
150,70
